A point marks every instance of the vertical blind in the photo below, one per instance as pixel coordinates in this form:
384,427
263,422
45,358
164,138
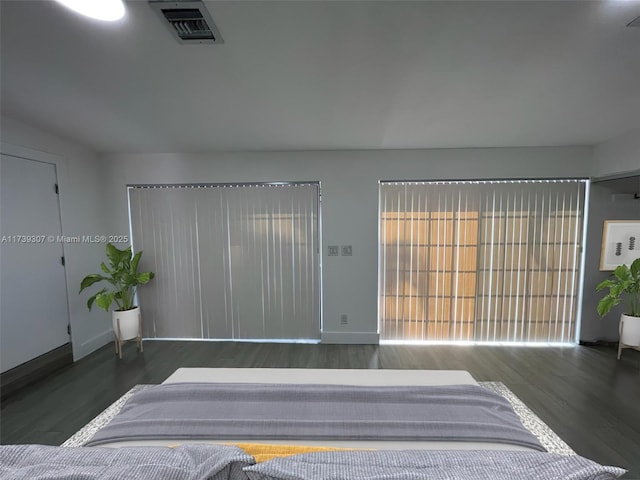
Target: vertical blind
480,261
231,261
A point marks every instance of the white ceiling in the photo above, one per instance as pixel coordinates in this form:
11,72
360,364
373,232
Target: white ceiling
328,75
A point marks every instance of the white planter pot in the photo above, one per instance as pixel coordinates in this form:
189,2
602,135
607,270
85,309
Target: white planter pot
629,333
129,322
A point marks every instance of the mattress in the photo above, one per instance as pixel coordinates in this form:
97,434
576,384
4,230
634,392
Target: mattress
330,376
361,377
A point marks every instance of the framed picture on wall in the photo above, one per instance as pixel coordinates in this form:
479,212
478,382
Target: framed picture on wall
620,243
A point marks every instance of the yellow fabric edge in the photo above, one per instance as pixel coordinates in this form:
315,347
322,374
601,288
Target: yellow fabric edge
263,452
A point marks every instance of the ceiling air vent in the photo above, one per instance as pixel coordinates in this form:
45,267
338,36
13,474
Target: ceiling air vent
189,21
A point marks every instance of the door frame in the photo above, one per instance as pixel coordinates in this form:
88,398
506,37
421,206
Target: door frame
60,165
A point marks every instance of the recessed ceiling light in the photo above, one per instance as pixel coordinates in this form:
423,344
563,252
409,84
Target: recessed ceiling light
107,10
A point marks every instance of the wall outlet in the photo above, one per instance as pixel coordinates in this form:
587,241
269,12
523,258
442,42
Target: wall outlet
332,250
344,320
347,250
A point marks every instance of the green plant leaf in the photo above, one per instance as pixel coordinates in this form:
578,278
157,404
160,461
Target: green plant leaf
608,283
104,300
126,260
113,254
90,302
635,268
145,277
622,273
606,304
90,280
134,262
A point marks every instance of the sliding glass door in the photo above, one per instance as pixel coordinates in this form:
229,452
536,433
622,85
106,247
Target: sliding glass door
231,261
489,261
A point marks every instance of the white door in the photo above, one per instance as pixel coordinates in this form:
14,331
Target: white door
33,295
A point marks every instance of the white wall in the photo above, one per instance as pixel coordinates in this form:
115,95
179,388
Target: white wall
605,204
618,155
350,201
81,205
349,207
349,183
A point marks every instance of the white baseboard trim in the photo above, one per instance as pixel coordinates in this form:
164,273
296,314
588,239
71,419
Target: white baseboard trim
353,338
91,345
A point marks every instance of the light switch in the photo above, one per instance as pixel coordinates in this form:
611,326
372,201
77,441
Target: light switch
332,250
346,250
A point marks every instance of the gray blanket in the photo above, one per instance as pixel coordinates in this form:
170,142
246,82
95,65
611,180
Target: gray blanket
217,462
191,462
190,412
431,465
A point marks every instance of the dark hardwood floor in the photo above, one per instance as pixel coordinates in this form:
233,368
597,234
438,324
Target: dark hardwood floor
583,393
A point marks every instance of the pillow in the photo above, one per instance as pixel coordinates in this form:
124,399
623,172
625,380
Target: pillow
431,465
188,462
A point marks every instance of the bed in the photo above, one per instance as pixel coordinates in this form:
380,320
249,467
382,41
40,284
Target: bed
329,424
239,383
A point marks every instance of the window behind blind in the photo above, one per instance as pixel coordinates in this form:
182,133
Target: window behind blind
484,261
231,261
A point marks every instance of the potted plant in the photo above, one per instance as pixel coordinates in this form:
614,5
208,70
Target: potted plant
624,287
123,279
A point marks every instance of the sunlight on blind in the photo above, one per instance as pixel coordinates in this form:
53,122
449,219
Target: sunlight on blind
480,261
231,261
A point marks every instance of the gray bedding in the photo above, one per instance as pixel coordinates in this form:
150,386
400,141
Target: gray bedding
217,462
193,411
431,465
190,462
